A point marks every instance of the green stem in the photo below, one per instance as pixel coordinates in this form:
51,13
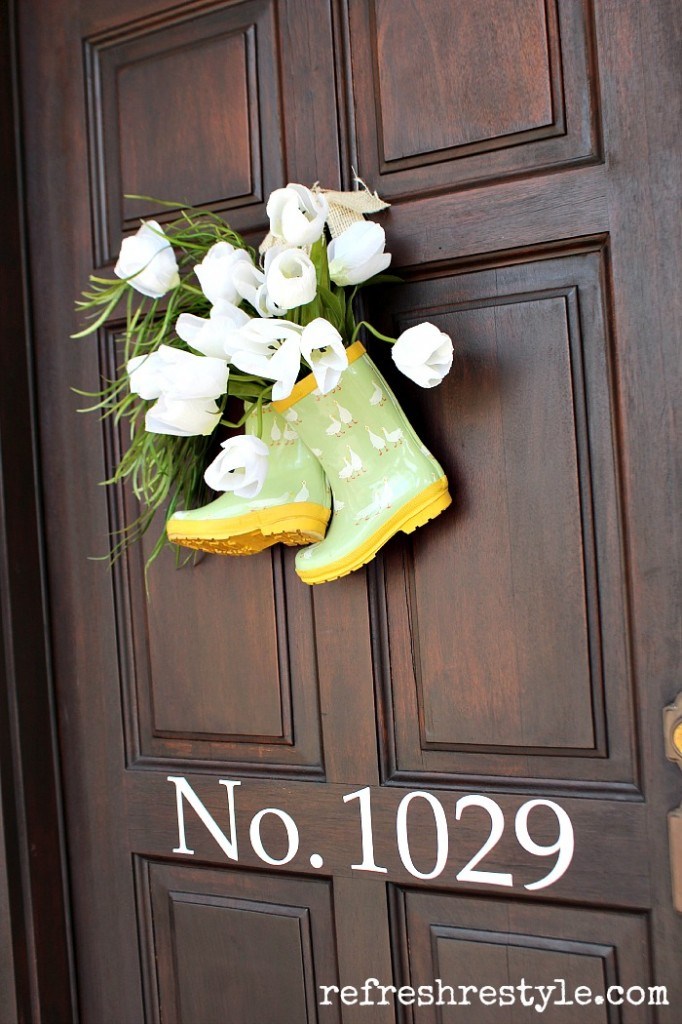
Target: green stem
374,331
91,328
190,287
244,378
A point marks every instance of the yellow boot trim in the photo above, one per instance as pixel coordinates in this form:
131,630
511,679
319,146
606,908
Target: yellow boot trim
300,522
308,384
433,500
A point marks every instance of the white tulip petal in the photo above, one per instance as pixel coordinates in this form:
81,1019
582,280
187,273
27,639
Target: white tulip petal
188,327
147,261
265,304
322,347
271,349
182,418
250,284
357,254
424,354
259,335
217,270
178,375
284,367
247,280
296,214
290,278
144,377
213,336
241,466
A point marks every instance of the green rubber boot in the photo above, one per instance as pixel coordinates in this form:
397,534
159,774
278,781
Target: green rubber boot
382,477
293,506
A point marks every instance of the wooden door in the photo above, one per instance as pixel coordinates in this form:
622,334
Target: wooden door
494,683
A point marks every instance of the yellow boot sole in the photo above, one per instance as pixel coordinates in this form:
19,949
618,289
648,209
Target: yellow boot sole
295,524
425,506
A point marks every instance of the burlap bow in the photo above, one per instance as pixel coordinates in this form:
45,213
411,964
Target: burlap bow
345,208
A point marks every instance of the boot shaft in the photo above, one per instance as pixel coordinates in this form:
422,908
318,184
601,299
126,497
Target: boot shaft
292,507
362,438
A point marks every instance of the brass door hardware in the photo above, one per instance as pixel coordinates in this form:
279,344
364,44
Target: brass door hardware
672,730
672,733
675,840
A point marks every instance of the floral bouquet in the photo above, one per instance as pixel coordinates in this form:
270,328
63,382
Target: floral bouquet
273,333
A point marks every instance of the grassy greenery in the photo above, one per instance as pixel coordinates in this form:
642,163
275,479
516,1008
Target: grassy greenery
165,472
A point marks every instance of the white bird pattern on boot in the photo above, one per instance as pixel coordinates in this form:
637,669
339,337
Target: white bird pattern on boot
355,461
281,499
377,442
303,494
385,495
344,415
335,429
394,437
378,397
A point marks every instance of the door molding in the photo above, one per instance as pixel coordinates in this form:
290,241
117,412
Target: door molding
36,976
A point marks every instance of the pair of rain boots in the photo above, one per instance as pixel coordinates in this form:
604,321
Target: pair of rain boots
352,448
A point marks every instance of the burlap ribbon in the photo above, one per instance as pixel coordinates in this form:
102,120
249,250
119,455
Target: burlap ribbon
345,208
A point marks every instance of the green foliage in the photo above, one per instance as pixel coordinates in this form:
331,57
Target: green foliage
164,472
331,301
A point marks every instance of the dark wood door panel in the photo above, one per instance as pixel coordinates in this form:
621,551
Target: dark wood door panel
498,96
502,631
236,948
187,105
513,217
252,700
211,100
472,942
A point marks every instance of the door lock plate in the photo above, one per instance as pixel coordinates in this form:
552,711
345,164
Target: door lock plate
672,730
675,839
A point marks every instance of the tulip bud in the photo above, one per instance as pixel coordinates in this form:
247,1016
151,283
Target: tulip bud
424,354
357,254
147,262
241,466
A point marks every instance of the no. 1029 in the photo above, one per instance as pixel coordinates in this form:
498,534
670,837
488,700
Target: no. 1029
471,872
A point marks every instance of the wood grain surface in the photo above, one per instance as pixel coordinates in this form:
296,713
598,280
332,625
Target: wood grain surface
520,647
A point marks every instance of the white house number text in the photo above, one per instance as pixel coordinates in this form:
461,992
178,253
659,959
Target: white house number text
562,847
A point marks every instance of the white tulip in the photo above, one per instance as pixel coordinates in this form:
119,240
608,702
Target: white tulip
214,336
271,349
424,354
182,418
296,214
357,254
147,261
241,466
322,347
290,277
284,367
216,272
178,375
265,336
250,284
